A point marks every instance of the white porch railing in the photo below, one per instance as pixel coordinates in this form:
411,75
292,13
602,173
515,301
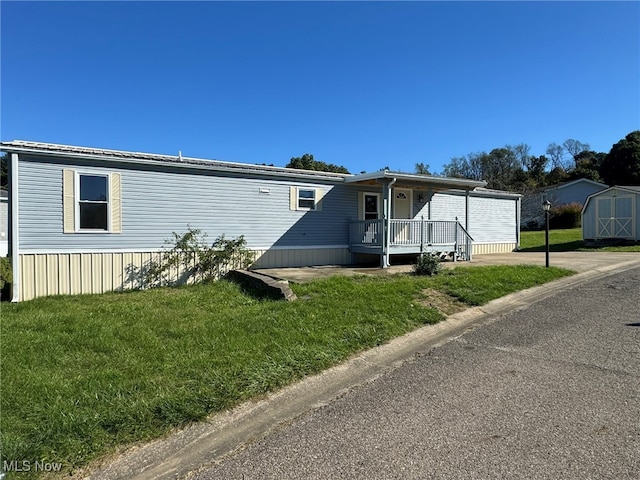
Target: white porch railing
368,233
413,236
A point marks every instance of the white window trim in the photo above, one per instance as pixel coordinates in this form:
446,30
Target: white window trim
76,200
315,199
364,203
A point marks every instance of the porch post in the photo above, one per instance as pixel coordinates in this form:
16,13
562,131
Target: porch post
466,210
14,233
387,223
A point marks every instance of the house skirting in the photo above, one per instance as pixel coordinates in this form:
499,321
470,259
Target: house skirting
486,248
281,257
45,274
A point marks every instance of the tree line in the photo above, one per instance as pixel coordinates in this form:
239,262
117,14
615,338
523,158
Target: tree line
514,168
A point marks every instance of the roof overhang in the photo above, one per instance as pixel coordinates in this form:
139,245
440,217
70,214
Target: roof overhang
628,189
137,158
411,180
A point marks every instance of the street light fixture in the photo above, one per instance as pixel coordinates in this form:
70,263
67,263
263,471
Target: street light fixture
546,206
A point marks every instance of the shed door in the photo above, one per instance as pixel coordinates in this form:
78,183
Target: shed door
615,217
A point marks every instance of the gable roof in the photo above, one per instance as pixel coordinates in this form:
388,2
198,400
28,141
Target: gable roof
626,188
578,180
558,186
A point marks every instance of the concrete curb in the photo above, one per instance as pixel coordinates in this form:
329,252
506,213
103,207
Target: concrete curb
206,443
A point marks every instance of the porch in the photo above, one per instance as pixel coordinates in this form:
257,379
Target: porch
410,236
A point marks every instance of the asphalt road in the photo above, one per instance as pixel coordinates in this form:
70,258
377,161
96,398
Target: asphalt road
549,391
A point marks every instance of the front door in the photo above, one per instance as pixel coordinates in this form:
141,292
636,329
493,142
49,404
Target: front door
402,210
402,203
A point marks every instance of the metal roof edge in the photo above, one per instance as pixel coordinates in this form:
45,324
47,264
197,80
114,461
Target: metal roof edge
382,174
483,193
567,184
118,156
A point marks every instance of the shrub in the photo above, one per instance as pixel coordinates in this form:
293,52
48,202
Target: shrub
195,259
427,264
6,277
566,216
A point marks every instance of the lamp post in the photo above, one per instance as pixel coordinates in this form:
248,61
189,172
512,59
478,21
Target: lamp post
546,206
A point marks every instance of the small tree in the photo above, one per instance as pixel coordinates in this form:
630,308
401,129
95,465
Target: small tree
192,256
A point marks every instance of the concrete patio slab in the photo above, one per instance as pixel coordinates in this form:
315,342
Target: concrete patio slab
577,261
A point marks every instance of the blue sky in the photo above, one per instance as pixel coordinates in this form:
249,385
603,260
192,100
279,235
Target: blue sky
360,84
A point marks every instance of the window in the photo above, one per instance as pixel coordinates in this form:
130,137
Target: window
371,206
306,199
93,203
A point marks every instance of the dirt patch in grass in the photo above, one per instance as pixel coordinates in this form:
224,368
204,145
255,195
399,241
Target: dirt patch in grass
442,302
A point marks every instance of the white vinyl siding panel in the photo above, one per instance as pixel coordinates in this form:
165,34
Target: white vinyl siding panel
491,220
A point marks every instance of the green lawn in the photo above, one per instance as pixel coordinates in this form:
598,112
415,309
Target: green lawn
82,375
567,240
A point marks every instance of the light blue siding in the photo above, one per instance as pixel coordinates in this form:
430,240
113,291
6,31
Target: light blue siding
157,202
575,193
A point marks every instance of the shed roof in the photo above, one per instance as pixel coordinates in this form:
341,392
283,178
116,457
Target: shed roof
628,188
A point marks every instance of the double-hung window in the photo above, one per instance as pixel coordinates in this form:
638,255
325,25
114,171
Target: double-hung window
306,199
93,202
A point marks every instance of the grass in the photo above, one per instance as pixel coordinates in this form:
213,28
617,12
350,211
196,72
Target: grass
84,375
567,240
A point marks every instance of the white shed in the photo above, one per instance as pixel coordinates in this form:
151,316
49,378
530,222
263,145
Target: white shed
612,213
